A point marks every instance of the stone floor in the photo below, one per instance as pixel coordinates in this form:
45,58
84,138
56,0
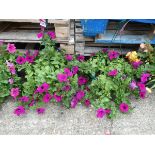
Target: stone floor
79,121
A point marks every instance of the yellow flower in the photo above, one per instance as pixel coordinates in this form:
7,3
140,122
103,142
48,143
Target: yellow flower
148,90
132,56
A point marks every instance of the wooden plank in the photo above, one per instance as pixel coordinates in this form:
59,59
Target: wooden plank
21,20
69,48
80,37
124,39
59,21
62,32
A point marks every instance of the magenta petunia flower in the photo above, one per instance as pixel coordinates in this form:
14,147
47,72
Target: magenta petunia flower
75,69
51,34
14,92
144,77
40,110
68,72
24,99
62,77
57,98
82,80
113,55
69,57
141,87
87,102
35,53
29,58
47,97
136,64
11,48
11,80
20,60
133,85
66,88
20,110
80,58
43,88
107,111
11,67
100,113
123,107
40,35
80,94
104,50
113,72
74,102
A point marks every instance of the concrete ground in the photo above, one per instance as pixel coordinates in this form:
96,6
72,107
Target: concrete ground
79,121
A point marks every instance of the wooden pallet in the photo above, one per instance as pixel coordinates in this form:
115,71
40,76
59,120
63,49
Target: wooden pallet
25,31
133,31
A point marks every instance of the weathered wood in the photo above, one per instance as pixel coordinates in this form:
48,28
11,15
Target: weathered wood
69,48
59,21
21,20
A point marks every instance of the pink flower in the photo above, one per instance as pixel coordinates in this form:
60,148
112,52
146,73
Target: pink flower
20,60
113,55
107,111
11,81
20,110
144,77
68,72
40,110
69,57
113,72
30,58
14,92
32,103
11,67
75,69
82,80
142,90
87,102
62,77
36,52
66,88
80,58
11,48
133,85
80,94
57,98
123,107
136,64
40,35
74,102
24,99
43,88
51,34
100,113
47,97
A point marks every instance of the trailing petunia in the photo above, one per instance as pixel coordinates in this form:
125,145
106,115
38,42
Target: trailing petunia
62,77
20,60
113,72
113,55
14,92
100,113
20,110
11,48
123,107
47,97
